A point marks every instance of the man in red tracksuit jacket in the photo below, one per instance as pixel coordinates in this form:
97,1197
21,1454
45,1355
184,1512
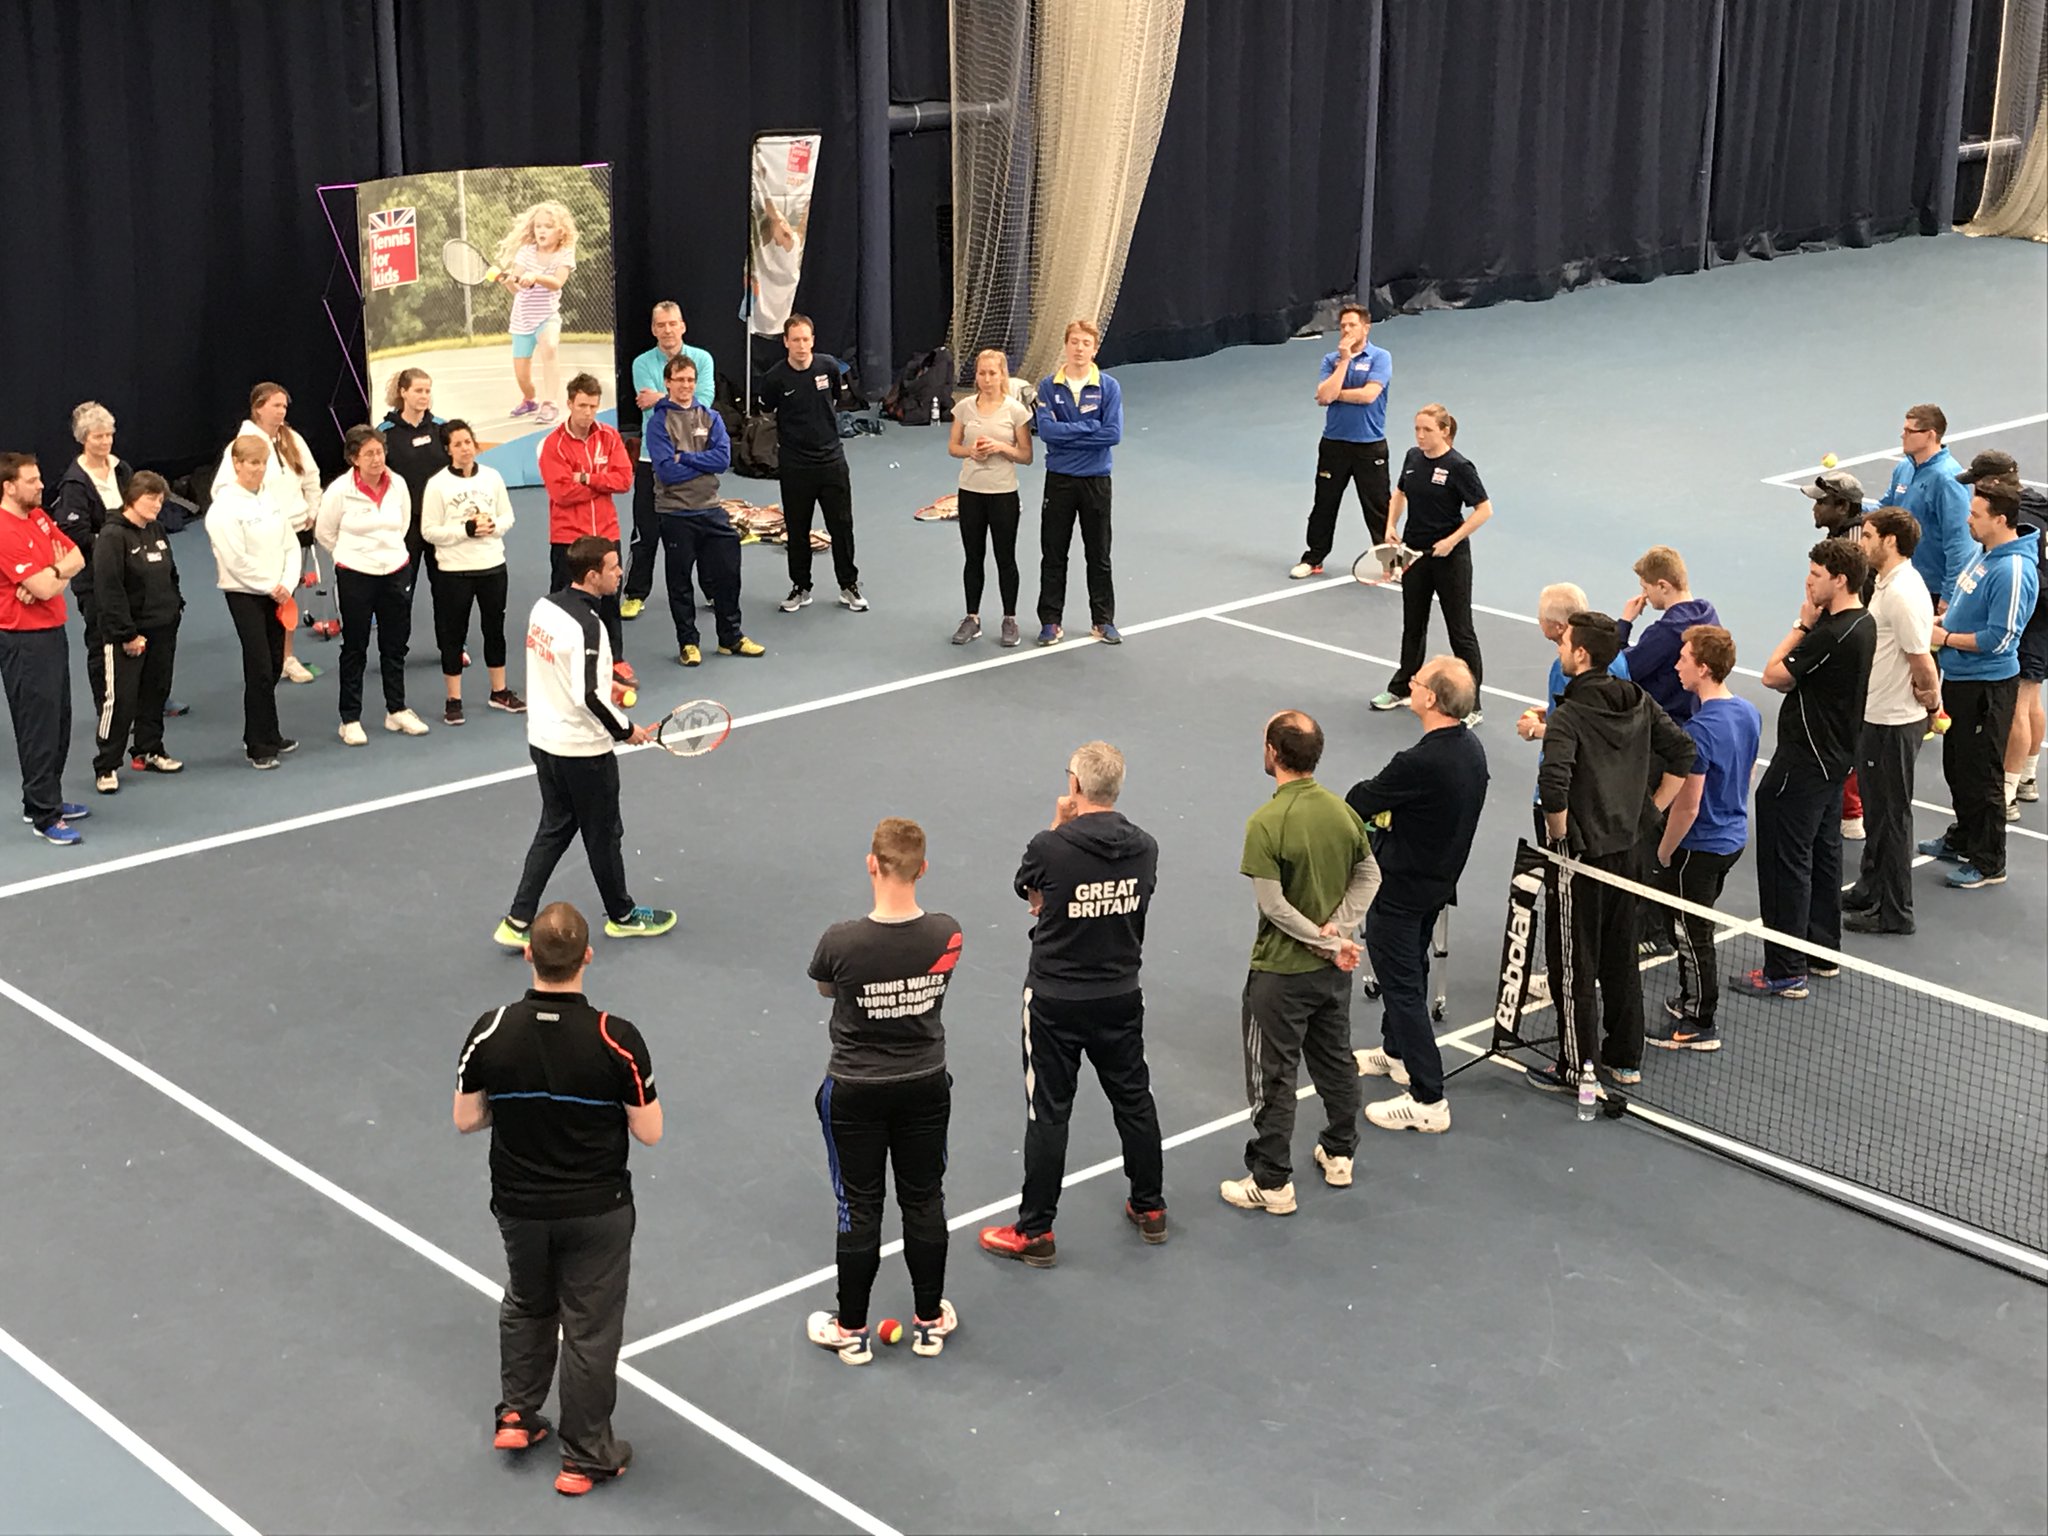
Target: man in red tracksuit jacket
584,463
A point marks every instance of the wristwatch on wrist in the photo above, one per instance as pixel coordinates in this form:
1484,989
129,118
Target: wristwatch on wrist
1802,626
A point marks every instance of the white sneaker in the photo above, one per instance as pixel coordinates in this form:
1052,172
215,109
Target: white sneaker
1404,1114
1336,1170
353,734
1301,570
929,1338
1539,990
823,1330
296,671
1246,1195
849,597
405,720
108,782
1377,1063
1852,828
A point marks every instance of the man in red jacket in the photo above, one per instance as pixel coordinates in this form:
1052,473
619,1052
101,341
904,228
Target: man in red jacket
584,463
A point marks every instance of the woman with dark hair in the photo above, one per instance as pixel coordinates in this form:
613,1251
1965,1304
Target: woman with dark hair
88,493
1439,483
363,522
290,479
414,451
466,515
135,580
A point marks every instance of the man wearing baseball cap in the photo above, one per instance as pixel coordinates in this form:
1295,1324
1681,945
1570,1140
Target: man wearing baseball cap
2023,746
1838,509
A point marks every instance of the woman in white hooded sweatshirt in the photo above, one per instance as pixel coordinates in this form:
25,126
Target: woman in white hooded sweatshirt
257,559
363,522
465,512
290,479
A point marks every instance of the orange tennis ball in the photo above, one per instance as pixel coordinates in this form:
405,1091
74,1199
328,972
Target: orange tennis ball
889,1331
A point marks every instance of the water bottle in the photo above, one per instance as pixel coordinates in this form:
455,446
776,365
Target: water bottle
1589,1092
935,410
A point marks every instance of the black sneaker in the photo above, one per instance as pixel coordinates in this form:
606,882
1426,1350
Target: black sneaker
1652,948
265,763
1151,1225
507,700
1827,970
289,744
451,712
1866,920
1683,1034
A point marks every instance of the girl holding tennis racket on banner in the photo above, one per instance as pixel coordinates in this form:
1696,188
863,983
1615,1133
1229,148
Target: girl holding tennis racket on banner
1436,486
535,259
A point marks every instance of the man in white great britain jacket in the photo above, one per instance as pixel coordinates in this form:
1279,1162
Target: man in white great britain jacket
363,522
464,514
257,557
573,724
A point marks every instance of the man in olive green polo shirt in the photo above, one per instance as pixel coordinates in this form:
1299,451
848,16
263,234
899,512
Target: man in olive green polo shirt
1313,876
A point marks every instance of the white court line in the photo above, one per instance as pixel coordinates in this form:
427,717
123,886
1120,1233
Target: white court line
1115,1164
727,1436
125,1437
525,770
1794,476
1338,650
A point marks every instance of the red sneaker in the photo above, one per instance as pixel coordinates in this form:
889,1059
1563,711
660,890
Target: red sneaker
516,1431
1151,1225
576,1481
1010,1243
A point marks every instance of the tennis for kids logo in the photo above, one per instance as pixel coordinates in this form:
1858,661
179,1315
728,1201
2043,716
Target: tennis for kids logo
394,248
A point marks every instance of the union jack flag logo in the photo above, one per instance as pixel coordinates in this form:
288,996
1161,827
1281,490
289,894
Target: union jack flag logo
394,218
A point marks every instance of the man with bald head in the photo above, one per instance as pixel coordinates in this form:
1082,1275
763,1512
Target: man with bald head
1313,875
1425,806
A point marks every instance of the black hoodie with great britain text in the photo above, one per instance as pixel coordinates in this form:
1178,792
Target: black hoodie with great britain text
1096,875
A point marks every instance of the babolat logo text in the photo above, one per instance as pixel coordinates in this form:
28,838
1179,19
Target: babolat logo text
1514,967
1104,898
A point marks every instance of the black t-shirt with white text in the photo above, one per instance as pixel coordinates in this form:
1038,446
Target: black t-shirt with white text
558,1074
888,985
806,406
1438,492
1821,720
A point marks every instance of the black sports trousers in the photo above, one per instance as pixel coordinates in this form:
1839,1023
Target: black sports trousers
869,1129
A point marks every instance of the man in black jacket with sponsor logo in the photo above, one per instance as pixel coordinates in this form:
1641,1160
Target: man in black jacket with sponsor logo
1612,762
1089,880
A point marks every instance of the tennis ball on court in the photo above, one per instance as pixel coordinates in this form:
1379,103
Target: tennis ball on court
1827,461
889,1331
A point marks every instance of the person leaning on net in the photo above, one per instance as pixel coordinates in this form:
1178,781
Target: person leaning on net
560,1086
1822,666
1977,644
1704,834
1353,450
1904,690
887,1098
1431,795
1313,876
1080,419
135,633
1089,880
1611,757
572,728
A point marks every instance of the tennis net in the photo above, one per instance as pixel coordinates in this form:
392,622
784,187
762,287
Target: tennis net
1916,1102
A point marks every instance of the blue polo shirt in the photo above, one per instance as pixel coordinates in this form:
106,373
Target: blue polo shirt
1349,423
1929,491
1554,690
1727,732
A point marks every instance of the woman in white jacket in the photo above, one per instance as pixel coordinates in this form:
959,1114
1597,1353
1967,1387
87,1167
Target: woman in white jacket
362,523
290,479
464,512
257,560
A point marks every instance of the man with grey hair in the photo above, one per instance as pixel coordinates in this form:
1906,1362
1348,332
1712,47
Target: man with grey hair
1089,879
1425,806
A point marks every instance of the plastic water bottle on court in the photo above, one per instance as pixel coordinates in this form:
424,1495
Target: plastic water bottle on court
935,410
1589,1094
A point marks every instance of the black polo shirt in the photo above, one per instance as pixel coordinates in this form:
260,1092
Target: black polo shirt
806,406
558,1074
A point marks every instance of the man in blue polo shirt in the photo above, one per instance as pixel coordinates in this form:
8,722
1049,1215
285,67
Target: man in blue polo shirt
1353,394
1924,483
650,388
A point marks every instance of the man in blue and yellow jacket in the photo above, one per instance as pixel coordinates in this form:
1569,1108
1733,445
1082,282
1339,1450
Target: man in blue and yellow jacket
1080,418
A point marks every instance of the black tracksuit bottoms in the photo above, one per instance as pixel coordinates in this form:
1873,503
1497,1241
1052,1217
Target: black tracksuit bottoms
707,543
262,641
386,600
1398,940
1973,761
1110,1031
577,795
1697,876
133,691
1290,1020
1596,979
646,537
1338,464
871,1128
454,592
1068,498
35,670
567,1273
1798,862
1449,581
1885,761
806,491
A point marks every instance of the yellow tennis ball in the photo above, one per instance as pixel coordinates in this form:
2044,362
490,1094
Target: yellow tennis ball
1941,722
1827,461
629,698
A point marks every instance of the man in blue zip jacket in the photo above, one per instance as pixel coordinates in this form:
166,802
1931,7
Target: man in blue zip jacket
1976,643
1080,418
691,450
1924,483
650,385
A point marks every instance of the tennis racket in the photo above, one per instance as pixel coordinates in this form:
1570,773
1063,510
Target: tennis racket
468,265
694,728
1384,563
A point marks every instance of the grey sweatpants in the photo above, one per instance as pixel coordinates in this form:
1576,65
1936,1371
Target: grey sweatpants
1289,1021
570,1274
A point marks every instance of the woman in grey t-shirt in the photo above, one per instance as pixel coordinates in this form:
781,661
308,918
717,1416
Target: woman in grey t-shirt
992,434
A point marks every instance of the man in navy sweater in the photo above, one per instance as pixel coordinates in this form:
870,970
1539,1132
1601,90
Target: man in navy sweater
1426,802
1653,657
1080,418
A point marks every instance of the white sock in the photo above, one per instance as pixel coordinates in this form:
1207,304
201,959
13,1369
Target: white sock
2012,787
2033,767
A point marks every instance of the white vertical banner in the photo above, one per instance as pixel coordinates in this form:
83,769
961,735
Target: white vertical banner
785,169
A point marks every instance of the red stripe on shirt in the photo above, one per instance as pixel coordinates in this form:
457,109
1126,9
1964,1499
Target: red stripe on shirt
639,1087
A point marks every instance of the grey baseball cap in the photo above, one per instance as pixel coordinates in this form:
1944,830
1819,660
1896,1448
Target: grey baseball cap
1834,485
